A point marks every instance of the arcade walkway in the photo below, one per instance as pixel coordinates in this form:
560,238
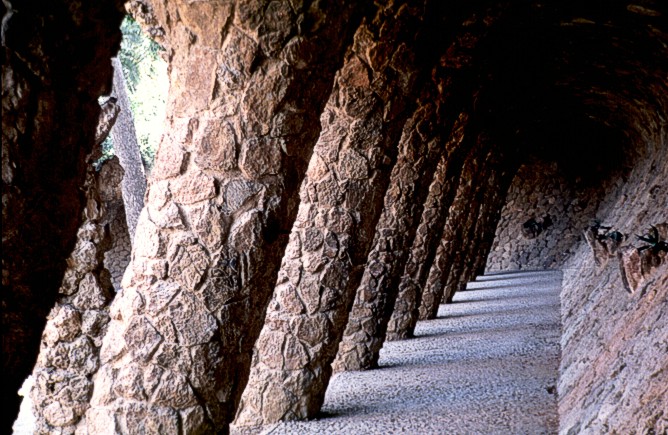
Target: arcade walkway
487,365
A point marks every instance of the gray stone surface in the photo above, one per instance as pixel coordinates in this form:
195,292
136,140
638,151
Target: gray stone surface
486,365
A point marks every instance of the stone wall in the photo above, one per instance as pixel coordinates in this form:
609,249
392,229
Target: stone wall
540,189
614,368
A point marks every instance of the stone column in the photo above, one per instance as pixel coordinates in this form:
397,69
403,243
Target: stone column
465,204
462,244
55,65
70,345
457,67
341,201
478,227
126,148
395,232
441,194
248,81
486,229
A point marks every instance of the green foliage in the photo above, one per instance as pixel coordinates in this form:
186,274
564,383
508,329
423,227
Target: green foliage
147,84
138,54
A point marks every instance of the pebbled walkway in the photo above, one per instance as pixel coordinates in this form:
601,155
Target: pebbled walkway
487,365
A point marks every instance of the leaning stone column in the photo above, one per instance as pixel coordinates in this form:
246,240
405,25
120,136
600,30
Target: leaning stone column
55,65
409,185
464,204
485,230
458,65
70,345
341,201
248,82
126,147
463,242
416,274
441,194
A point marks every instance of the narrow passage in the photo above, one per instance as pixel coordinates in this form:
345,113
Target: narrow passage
487,365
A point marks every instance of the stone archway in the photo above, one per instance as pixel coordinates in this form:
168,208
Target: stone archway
302,142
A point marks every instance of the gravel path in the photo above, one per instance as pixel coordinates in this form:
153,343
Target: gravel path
487,365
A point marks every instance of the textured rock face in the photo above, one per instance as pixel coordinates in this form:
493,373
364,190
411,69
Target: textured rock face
219,206
49,118
441,194
117,256
375,298
488,187
481,234
69,352
126,148
341,201
395,233
540,189
614,369
465,203
579,87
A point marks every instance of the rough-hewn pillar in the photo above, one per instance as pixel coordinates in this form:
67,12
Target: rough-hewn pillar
411,177
463,243
69,350
55,64
486,230
458,65
441,194
341,201
126,148
465,204
117,258
479,227
248,81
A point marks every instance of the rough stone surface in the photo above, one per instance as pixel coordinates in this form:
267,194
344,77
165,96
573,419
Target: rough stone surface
614,369
579,88
487,364
466,203
117,258
220,203
69,351
126,148
490,184
375,299
109,111
374,302
49,117
541,189
476,243
436,208
341,202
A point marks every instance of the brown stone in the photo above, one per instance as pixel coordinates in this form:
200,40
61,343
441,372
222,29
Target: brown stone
574,95
217,229
349,187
